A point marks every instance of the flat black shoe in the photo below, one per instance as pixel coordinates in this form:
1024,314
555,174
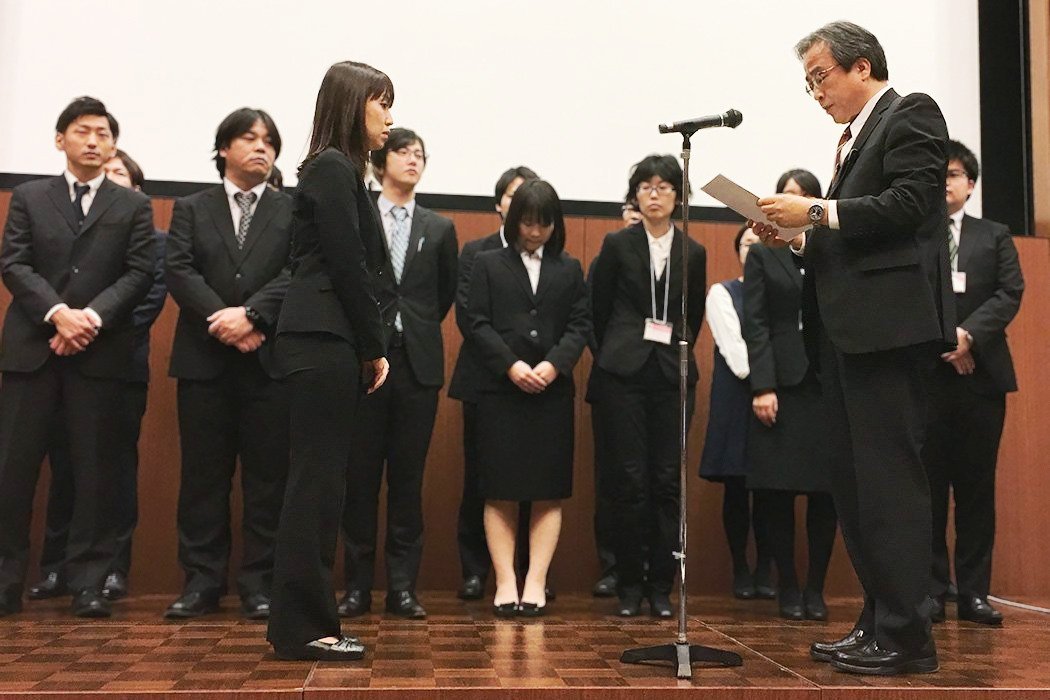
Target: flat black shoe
9,604
505,610
871,659
346,649
824,651
660,605
115,587
814,605
605,587
764,588
979,610
791,604
90,603
355,604
937,611
531,609
549,593
472,589
744,586
405,604
191,605
630,606
51,586
256,606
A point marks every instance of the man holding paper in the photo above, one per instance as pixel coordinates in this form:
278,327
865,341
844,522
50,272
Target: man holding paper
875,313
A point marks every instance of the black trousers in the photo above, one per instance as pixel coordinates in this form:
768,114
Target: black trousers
604,496
640,415
393,427
61,496
323,393
875,416
89,410
961,451
242,413
778,510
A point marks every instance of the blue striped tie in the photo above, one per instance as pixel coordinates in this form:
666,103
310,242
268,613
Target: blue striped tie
398,248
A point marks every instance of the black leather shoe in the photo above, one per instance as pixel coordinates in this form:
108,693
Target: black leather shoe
937,611
871,659
764,587
355,604
472,589
51,586
531,609
660,605
630,605
90,603
824,651
256,606
952,594
744,586
505,610
346,649
605,587
979,610
791,604
814,605
115,587
405,604
192,604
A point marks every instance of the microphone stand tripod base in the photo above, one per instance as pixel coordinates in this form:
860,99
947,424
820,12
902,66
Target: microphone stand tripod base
683,655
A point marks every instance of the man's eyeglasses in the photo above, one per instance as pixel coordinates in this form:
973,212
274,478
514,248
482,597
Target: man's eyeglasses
961,174
416,153
814,83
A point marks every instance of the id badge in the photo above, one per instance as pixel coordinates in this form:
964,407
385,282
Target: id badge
959,282
657,331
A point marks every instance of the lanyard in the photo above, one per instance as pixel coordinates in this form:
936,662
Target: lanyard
667,285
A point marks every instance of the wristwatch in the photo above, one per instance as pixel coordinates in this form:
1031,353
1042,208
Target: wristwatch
816,213
253,316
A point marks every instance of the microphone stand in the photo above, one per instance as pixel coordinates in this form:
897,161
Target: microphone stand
681,653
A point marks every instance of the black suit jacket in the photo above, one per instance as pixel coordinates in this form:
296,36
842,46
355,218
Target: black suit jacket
510,323
621,298
337,251
994,286
425,294
469,371
776,353
882,281
47,259
143,316
206,271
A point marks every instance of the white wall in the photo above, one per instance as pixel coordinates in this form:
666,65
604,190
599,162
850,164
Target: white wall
572,88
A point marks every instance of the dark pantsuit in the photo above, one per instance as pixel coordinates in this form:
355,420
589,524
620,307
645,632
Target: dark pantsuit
875,420
393,426
323,392
604,498
29,403
961,449
470,528
241,412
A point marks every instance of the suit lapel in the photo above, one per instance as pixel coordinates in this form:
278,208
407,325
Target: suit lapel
788,264
547,272
968,234
104,198
513,260
869,126
415,235
59,194
219,209
264,213
675,263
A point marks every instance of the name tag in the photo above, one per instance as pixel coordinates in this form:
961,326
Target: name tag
959,282
657,331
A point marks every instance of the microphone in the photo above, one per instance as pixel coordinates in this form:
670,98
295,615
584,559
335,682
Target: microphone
732,119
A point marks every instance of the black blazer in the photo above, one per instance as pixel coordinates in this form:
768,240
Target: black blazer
47,259
428,286
776,353
621,299
994,286
337,250
469,372
882,279
143,316
206,272
510,323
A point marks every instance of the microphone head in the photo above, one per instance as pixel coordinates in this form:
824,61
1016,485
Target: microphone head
666,128
733,118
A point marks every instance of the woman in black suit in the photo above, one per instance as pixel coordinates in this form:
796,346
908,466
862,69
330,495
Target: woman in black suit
529,317
783,436
636,294
330,344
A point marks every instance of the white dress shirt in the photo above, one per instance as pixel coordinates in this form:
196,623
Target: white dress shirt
235,208
725,327
85,204
533,261
387,215
660,250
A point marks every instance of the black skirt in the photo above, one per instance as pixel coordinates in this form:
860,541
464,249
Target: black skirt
525,446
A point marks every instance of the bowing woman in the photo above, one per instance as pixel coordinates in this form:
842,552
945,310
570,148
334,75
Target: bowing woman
529,317
330,344
636,294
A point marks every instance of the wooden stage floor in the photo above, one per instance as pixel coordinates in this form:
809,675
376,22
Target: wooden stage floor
463,652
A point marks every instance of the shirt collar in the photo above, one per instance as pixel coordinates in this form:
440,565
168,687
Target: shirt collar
502,237
93,183
385,205
663,241
858,122
957,218
232,189
525,255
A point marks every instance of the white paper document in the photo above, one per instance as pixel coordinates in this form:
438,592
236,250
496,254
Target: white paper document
744,203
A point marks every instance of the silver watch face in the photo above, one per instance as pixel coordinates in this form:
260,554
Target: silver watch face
816,212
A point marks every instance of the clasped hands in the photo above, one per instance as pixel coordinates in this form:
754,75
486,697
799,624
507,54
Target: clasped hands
532,380
232,327
75,329
961,358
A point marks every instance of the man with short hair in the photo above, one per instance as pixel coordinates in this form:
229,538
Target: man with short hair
876,309
968,395
226,268
77,257
415,290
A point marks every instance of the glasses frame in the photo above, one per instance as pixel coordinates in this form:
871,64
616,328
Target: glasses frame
813,83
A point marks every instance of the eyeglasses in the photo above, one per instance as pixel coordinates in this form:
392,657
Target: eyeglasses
817,80
961,174
415,153
645,189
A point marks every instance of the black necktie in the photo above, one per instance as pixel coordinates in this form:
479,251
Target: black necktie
78,202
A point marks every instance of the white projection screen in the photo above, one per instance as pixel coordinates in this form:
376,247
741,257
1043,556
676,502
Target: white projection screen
572,88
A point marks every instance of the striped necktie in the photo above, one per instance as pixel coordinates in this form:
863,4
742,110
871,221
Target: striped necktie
398,249
953,247
843,140
244,200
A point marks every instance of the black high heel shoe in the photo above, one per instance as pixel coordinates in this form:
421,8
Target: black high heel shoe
506,610
531,609
345,649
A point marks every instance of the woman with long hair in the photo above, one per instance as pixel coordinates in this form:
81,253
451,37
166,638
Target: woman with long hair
331,348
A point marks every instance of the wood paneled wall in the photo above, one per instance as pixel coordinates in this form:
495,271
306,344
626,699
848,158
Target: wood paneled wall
1039,83
1024,481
